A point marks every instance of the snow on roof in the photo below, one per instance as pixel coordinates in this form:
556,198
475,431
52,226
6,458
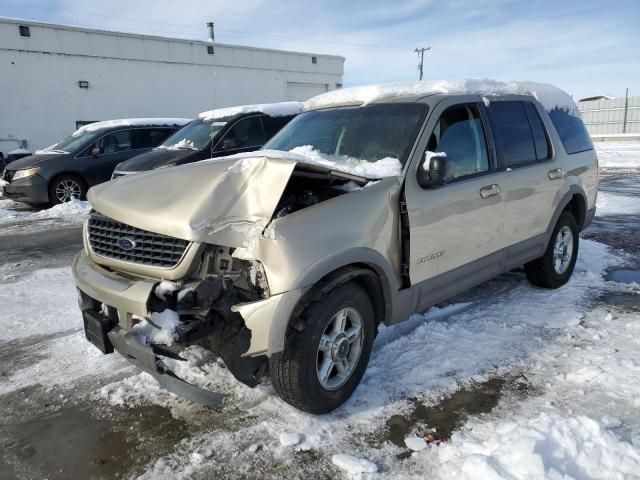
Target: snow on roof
549,96
273,109
131,122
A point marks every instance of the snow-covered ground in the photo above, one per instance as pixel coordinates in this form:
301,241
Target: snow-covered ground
510,381
622,154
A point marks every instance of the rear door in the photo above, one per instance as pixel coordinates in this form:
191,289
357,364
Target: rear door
461,222
525,154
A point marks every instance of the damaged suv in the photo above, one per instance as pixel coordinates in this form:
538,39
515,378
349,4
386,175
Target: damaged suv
375,203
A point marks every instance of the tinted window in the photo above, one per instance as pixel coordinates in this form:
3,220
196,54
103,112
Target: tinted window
459,134
540,138
245,133
115,142
148,138
195,135
513,133
367,133
273,125
571,130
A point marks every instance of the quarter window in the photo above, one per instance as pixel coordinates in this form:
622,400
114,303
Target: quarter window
459,134
148,138
513,133
571,130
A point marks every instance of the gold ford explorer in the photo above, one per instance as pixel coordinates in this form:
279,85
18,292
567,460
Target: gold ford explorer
375,203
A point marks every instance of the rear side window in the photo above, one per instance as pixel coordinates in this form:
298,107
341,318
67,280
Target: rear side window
273,125
540,138
571,130
148,137
115,142
513,134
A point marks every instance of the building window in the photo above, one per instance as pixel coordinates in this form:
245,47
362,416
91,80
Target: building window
338,85
24,31
210,49
83,84
314,59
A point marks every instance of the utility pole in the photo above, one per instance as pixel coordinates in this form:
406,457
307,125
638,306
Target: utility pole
420,51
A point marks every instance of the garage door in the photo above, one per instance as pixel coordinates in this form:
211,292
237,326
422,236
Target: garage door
304,91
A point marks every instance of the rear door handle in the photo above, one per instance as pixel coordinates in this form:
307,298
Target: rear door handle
490,191
556,173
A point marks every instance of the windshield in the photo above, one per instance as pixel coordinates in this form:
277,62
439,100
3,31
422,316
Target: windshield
72,143
195,135
367,133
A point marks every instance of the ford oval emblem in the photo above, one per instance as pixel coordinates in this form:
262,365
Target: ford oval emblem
126,244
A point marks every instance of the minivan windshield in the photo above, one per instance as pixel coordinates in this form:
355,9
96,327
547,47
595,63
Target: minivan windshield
195,135
368,133
72,143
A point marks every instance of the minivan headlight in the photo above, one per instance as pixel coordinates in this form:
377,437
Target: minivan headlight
27,172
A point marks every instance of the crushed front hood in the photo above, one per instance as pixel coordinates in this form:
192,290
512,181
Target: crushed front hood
220,201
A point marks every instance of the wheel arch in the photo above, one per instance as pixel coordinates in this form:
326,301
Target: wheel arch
63,173
575,201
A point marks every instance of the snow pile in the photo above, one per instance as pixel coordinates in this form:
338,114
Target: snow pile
290,439
415,443
385,167
160,329
613,204
624,154
549,96
547,446
73,211
131,122
273,109
353,465
185,143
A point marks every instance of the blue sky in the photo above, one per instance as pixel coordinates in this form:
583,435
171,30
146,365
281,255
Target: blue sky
586,47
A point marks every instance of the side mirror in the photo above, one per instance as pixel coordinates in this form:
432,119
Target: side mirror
432,172
95,151
229,143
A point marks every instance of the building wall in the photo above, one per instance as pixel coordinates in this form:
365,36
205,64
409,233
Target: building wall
606,117
136,76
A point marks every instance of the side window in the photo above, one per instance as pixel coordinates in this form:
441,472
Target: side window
459,134
273,125
115,142
571,130
512,132
246,133
540,138
148,137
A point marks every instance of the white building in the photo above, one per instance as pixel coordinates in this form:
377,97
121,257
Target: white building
55,78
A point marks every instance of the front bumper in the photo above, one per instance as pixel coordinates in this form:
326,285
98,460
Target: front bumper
34,189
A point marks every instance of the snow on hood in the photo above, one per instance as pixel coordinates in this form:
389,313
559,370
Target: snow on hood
215,201
131,122
549,96
273,109
385,167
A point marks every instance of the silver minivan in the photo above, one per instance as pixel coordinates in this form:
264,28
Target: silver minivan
375,203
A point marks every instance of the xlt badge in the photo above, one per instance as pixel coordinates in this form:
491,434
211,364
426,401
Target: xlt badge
431,257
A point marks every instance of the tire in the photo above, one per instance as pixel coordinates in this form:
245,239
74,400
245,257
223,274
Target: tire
65,187
555,267
295,372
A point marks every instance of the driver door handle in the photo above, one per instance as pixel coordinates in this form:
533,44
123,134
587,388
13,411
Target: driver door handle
490,191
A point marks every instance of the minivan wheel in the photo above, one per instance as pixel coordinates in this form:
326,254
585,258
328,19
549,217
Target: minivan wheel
555,267
321,366
66,188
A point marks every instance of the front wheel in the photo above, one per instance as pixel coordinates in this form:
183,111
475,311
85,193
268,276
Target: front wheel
555,267
321,366
66,188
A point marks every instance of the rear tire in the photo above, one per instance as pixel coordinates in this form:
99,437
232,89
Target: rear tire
65,188
305,374
555,267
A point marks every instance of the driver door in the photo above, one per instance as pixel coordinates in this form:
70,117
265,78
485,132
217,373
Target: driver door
455,229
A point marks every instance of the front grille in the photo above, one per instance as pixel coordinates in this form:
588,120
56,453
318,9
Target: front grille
8,175
107,237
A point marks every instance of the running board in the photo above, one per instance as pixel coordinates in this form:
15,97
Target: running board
144,358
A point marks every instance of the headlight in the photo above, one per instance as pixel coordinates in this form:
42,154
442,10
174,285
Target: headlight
28,172
166,166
